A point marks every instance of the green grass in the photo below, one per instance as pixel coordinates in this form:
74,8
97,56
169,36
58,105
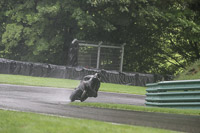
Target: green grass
108,87
18,122
191,72
37,81
67,83
138,108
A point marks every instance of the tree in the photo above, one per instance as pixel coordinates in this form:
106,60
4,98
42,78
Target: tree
179,24
161,36
37,31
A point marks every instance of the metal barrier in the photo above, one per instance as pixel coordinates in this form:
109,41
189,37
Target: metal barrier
174,94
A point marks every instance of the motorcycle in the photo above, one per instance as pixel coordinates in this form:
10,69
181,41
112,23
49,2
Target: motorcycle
76,95
88,87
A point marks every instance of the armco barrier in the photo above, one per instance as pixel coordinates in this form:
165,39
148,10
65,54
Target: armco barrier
174,94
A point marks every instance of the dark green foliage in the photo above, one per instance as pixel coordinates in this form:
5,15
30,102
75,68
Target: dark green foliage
161,36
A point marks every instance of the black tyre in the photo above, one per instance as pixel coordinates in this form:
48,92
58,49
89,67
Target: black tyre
84,96
76,94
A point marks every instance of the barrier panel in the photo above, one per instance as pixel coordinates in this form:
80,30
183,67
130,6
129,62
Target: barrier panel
174,94
69,72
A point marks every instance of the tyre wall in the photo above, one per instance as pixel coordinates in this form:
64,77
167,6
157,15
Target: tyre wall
56,71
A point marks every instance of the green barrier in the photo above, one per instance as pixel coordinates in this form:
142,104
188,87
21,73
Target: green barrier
174,94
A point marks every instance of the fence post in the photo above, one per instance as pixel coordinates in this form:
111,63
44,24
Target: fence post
122,58
98,54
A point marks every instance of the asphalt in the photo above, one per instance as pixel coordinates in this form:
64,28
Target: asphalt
55,101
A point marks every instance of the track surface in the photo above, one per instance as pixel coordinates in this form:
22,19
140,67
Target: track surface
55,101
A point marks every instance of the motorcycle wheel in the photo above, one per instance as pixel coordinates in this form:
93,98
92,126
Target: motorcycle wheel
76,94
84,96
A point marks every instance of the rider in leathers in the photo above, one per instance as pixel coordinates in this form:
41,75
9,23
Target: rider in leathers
91,84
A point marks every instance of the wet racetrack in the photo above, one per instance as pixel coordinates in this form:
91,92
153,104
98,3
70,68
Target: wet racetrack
56,101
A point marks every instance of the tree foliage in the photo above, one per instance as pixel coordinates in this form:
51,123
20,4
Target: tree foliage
161,36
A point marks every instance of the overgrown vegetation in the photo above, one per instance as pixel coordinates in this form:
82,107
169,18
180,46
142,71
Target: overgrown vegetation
161,36
191,72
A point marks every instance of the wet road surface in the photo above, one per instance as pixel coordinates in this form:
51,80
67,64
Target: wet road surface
56,101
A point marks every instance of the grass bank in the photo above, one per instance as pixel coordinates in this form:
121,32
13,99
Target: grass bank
67,83
18,122
191,72
138,108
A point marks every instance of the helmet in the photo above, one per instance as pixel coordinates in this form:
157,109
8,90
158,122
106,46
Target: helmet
97,75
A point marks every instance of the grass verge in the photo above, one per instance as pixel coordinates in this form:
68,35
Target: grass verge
138,108
67,83
191,72
18,122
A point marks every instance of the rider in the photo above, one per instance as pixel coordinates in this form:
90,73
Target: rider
92,84
88,87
